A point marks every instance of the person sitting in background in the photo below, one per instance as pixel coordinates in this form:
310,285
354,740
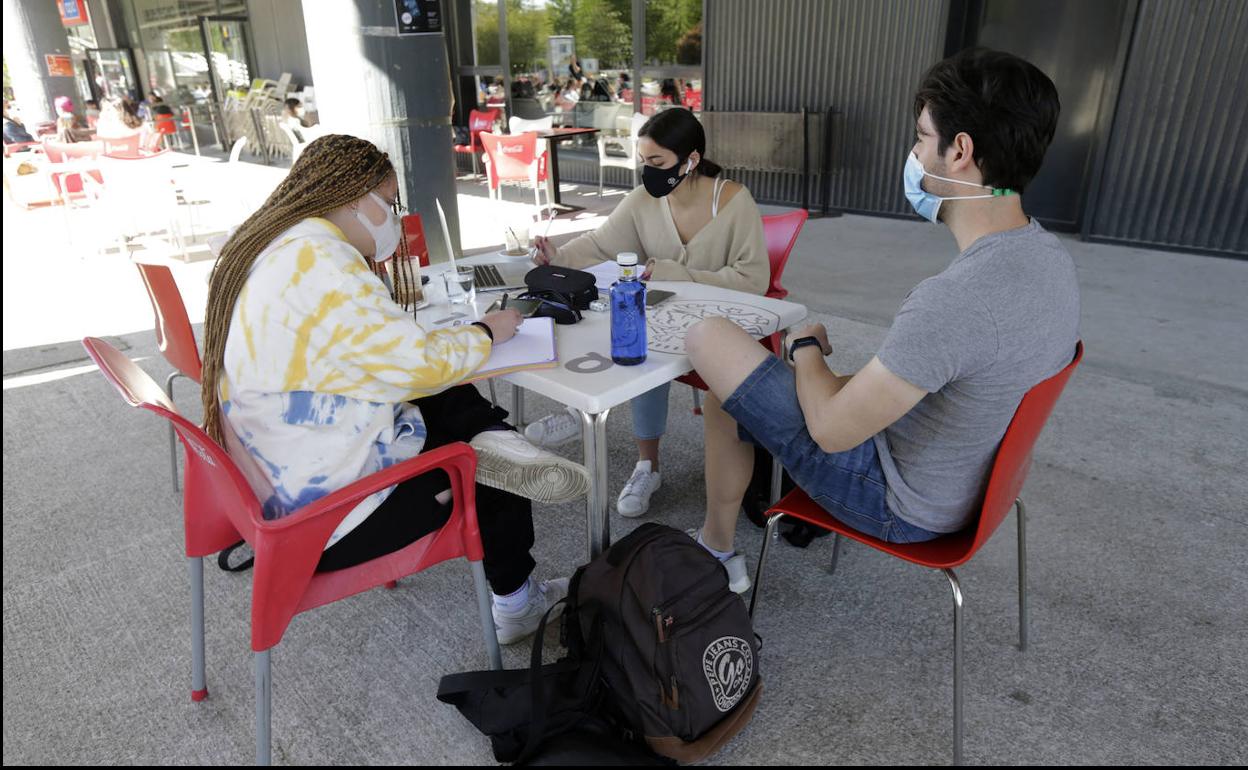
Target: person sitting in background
91,111
568,96
158,108
688,223
670,92
69,127
14,130
118,122
292,113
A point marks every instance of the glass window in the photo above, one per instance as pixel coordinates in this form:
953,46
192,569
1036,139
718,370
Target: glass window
594,79
168,32
485,33
661,93
672,74
674,33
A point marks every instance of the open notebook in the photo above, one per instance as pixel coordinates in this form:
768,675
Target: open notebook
533,347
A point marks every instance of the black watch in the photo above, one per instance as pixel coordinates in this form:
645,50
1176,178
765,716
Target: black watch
802,342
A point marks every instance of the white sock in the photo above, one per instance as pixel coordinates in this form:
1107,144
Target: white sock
516,602
721,555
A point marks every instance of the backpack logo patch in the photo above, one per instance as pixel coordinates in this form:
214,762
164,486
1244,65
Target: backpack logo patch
728,663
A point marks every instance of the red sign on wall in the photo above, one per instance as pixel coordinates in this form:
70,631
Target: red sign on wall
73,12
59,66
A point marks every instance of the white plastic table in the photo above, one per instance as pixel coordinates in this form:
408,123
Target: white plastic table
588,381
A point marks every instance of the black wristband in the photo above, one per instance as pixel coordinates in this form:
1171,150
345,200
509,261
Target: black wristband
802,342
486,327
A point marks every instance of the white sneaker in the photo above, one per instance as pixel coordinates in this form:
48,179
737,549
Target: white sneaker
554,429
738,574
514,628
506,461
634,498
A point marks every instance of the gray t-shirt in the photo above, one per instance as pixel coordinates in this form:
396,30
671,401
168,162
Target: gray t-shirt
1001,318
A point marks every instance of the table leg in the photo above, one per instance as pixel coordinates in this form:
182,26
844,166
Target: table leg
517,407
552,176
552,183
594,438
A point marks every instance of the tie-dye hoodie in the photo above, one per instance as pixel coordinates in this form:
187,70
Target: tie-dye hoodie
319,365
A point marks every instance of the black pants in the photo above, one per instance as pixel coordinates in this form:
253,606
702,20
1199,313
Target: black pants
411,511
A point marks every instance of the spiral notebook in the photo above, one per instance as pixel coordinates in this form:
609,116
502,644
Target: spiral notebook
533,347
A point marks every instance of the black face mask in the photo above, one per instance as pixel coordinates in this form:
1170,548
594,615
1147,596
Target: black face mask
661,181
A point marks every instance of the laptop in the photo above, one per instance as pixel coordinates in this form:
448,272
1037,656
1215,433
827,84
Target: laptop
500,275
496,275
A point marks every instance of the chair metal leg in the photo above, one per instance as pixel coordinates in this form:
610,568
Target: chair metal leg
957,665
777,475
836,552
487,616
1022,575
517,406
493,392
697,401
772,528
264,708
601,172
199,689
173,439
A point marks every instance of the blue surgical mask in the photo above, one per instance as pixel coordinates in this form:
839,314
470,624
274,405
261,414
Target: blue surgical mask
928,205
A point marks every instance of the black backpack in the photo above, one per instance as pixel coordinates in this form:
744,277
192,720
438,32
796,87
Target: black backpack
661,656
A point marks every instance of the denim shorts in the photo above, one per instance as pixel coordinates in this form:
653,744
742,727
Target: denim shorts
849,485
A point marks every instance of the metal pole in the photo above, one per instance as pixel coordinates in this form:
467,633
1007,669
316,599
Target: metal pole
393,91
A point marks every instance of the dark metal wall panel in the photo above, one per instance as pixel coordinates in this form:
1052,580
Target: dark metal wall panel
1176,168
862,57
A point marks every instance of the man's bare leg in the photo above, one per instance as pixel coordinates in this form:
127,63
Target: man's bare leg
729,466
723,355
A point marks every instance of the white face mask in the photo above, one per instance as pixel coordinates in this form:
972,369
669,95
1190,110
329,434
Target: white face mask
385,235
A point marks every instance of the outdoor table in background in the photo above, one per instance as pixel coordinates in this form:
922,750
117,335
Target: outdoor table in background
554,137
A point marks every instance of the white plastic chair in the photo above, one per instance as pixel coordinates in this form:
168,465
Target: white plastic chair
237,150
628,144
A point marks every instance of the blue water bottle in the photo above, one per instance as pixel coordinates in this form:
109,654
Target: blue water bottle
628,313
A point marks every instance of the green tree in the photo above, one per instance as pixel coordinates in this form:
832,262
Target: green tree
604,32
670,28
562,16
527,30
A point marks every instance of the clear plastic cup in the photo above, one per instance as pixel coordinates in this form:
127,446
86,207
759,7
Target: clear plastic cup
460,285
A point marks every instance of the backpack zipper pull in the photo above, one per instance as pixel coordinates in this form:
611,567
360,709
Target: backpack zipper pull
675,694
658,624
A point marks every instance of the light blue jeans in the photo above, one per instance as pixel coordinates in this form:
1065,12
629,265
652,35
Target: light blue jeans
650,412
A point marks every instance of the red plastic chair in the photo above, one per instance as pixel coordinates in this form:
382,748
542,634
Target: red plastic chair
514,158
1009,471
220,508
478,121
175,337
16,147
122,146
60,152
414,232
150,141
166,126
780,231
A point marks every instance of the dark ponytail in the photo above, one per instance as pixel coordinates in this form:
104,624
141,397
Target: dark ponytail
679,131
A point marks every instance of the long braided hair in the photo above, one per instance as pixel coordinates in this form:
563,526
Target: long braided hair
333,171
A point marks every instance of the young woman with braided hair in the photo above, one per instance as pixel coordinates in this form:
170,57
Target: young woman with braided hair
315,377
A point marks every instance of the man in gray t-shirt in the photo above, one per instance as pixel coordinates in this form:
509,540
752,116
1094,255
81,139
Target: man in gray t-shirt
901,450
975,338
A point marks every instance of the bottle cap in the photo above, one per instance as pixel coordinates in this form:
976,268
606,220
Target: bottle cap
626,258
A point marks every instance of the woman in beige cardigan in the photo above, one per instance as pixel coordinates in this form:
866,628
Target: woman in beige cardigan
686,223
